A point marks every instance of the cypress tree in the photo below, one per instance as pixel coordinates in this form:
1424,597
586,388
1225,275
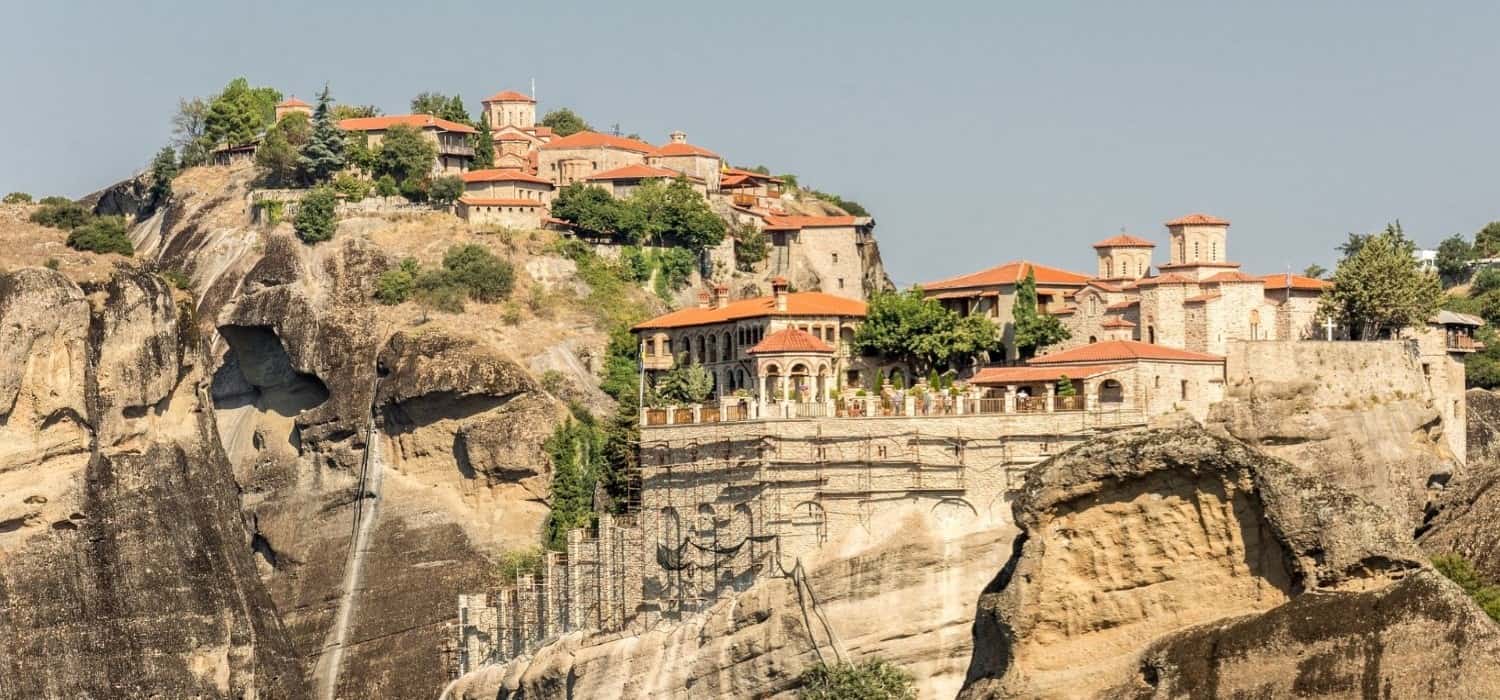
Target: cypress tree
324,153
1034,329
484,146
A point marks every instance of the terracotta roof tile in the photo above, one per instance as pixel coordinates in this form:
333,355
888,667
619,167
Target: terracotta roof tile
513,136
508,96
634,172
1202,298
790,340
1010,273
1116,350
1172,278
797,304
1297,282
1233,276
419,121
1015,375
683,149
293,102
592,139
789,223
1124,241
1197,219
1117,323
501,175
483,202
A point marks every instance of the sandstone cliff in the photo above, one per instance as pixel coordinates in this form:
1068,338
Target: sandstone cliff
1467,521
1173,563
126,565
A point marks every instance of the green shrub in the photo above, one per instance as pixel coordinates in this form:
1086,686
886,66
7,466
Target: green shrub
58,212
512,315
177,279
635,263
446,189
52,263
105,234
273,209
486,277
386,186
1462,572
414,189
555,383
1485,280
17,198
315,220
1065,386
751,245
516,562
437,289
396,285
353,188
876,679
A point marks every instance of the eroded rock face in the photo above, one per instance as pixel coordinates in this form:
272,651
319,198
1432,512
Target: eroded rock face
1144,548
1467,518
126,570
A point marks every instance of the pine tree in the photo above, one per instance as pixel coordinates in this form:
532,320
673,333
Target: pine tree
484,146
163,170
324,153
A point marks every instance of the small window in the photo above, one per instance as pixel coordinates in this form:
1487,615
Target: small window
841,283
1184,390
835,258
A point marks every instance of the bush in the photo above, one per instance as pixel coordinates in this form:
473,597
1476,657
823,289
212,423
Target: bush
555,383
105,234
876,679
750,247
635,263
177,279
274,210
58,212
386,186
446,189
676,266
52,263
1462,572
1486,280
353,188
511,316
437,289
315,220
414,189
516,562
17,198
486,277
396,286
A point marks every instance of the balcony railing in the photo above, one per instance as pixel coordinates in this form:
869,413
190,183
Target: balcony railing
908,406
1463,343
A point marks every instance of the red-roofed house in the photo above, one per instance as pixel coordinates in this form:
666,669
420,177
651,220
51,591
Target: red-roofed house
513,213
451,138
831,253
991,292
696,162
575,157
501,183
621,182
750,189
290,105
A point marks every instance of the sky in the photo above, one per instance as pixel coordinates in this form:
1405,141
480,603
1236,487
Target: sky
974,132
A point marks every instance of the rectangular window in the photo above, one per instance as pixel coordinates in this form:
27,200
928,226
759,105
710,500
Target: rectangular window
1184,390
841,283
835,258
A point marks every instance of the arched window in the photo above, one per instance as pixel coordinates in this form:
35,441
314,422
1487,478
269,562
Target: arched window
1213,250
1195,250
1111,392
1093,340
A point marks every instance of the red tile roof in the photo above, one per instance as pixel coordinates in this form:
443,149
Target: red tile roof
419,121
797,304
481,202
1115,350
1202,297
1233,276
508,96
591,139
1172,278
1124,241
293,102
1010,273
501,175
1117,323
1197,219
634,172
1104,285
1297,282
513,136
1122,305
791,223
790,340
1017,375
751,174
684,149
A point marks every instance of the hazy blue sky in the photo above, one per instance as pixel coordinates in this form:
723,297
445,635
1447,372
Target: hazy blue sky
975,132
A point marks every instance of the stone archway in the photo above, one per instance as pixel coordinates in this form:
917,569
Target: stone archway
1111,393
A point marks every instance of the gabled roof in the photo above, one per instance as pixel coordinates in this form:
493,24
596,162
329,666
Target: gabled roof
419,121
508,96
1202,298
1124,241
1233,276
684,149
293,102
1171,278
593,139
515,136
1122,305
1010,273
1016,375
634,172
1117,323
1198,219
1118,350
483,202
501,175
797,304
790,340
1297,282
1445,317
777,222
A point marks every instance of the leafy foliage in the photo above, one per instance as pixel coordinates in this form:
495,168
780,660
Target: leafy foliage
1034,330
576,450
323,154
386,186
1065,386
1462,572
517,562
656,213
876,679
1453,256
440,106
908,326
1380,288
485,277
751,246
352,188
190,131
564,122
484,147
396,285
163,171
277,154
445,189
1487,241
239,113
1314,271
684,384
58,212
103,234
404,155
847,205
315,221
17,198
354,111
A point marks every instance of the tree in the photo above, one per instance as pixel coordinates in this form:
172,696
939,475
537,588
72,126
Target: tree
1314,271
1033,328
239,113
446,189
485,277
354,111
1065,386
17,198
405,154
323,156
1462,572
672,213
876,679
163,171
577,455
1380,288
315,220
685,383
386,186
1487,241
484,147
59,212
103,234
587,207
1453,256
919,331
277,157
189,131
429,103
564,122
396,285
1486,281
750,246
1353,244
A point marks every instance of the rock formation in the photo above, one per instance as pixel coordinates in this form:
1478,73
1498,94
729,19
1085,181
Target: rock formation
1174,563
127,571
1467,521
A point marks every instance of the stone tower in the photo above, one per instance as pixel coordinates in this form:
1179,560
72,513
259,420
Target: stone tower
510,108
1123,257
1199,246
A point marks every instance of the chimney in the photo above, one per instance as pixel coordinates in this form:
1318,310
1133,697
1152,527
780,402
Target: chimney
702,300
678,136
778,288
721,296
